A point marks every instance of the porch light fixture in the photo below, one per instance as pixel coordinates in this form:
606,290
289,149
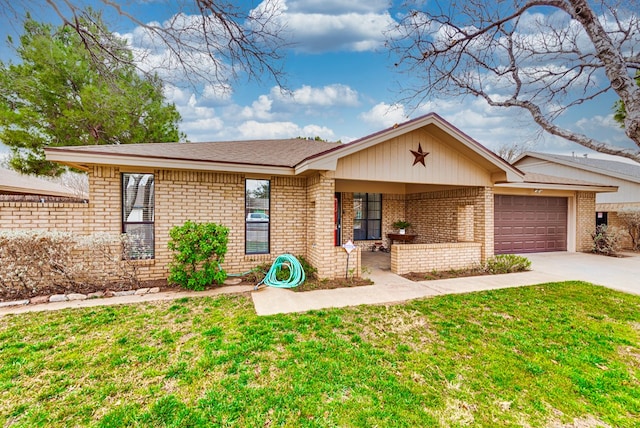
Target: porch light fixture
419,156
537,190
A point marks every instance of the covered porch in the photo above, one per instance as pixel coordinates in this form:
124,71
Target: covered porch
451,227
425,172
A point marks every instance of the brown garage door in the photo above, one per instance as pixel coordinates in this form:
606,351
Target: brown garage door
529,224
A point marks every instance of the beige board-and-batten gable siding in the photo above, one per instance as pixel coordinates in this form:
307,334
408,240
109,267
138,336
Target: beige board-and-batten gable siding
392,161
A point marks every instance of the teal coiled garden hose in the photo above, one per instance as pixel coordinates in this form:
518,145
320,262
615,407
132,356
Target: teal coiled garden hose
296,273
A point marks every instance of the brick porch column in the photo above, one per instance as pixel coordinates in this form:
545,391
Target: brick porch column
585,220
483,222
320,233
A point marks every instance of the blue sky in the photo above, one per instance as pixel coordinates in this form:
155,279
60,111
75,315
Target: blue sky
343,85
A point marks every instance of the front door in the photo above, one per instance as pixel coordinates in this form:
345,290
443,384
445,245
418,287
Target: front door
337,219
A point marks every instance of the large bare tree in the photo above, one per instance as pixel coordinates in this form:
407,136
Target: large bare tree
203,41
543,56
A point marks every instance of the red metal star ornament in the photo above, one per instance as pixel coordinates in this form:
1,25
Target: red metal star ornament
419,155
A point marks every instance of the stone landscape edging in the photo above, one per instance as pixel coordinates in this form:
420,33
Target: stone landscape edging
78,296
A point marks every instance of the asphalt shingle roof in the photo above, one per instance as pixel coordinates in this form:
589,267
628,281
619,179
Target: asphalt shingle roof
15,183
279,153
632,170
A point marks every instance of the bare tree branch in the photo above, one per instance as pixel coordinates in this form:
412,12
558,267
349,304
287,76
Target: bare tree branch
205,41
522,54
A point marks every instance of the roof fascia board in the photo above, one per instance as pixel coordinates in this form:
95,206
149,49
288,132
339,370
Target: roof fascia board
43,192
549,186
77,158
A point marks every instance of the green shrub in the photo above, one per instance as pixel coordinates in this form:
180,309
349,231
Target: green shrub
605,240
507,263
199,250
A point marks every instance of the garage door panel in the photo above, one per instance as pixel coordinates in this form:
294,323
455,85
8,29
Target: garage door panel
530,224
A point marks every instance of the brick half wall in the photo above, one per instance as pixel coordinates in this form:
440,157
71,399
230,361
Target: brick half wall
438,257
47,216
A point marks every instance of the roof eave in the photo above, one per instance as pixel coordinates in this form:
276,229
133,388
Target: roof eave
82,160
40,192
577,165
558,186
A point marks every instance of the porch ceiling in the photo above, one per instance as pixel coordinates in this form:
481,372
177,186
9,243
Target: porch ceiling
345,186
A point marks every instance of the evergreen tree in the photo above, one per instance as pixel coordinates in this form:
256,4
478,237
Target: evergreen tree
61,95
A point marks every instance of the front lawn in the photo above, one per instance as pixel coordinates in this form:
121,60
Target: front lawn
547,355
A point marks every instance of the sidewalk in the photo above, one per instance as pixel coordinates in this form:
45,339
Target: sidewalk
618,273
387,288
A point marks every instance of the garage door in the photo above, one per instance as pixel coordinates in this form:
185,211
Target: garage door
529,224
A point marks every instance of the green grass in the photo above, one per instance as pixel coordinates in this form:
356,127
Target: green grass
533,356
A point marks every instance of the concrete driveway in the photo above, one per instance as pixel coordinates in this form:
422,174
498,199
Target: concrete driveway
621,273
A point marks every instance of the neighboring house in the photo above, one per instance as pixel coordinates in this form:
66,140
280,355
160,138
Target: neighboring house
624,175
28,187
315,196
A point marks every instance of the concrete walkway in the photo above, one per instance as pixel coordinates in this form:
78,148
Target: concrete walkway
618,273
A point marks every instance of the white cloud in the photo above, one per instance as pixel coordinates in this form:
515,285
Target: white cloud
332,25
313,131
205,129
219,93
252,129
176,95
349,32
334,7
384,115
268,130
193,57
326,96
260,109
192,110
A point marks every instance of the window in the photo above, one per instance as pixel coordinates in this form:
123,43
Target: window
601,218
138,214
367,222
257,206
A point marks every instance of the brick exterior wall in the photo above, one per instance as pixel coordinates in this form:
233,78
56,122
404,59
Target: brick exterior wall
446,216
104,200
196,196
301,214
340,268
613,221
439,257
434,215
394,208
220,198
47,216
321,251
585,220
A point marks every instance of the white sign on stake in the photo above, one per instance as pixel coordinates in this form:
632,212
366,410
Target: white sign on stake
349,246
